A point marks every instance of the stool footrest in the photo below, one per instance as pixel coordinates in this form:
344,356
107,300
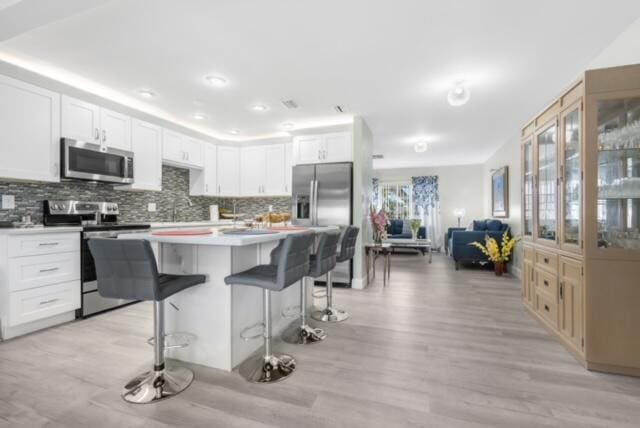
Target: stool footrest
243,333
175,340
320,294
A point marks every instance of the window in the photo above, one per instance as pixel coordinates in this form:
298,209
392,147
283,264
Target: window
396,200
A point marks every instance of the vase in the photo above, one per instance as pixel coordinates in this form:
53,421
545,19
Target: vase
499,268
414,235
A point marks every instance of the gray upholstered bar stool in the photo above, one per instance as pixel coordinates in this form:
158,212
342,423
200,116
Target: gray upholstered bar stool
289,264
347,251
126,269
322,262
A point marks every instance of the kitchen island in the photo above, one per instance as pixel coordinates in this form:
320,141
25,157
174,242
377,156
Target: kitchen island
214,312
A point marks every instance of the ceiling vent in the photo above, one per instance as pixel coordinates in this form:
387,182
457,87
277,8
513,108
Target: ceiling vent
290,104
340,109
378,156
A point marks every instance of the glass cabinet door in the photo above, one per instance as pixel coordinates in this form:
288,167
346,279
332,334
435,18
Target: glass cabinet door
547,184
619,173
527,191
572,178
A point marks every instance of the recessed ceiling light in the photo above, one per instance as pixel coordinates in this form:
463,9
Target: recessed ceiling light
459,94
258,107
420,147
234,131
216,80
199,116
287,126
145,93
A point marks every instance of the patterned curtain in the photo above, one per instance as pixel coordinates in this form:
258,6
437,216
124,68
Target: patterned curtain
426,206
375,194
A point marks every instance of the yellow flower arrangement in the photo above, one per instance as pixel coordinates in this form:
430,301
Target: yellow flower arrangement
492,249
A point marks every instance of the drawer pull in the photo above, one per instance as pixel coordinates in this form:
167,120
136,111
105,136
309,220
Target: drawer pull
546,283
546,308
47,244
546,260
49,270
46,302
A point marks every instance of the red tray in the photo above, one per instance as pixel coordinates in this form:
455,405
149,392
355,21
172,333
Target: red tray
188,232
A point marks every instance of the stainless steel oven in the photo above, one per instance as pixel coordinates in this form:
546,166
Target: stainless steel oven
95,162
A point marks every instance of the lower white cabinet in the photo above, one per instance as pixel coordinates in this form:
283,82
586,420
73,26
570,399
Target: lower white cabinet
146,143
228,171
39,278
29,132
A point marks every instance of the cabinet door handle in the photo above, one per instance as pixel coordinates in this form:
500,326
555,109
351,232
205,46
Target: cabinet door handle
546,283
47,244
49,270
546,308
96,134
104,135
46,302
219,191
561,290
546,260
55,169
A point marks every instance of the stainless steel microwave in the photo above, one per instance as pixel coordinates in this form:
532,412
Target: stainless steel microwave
95,162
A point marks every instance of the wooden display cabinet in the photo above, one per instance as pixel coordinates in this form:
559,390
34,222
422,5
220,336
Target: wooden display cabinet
581,219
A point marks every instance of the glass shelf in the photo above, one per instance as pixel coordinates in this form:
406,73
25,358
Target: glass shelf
619,173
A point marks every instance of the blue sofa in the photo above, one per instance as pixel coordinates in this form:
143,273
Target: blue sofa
460,238
394,230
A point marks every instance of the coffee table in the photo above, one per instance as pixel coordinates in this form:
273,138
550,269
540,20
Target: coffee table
417,244
372,251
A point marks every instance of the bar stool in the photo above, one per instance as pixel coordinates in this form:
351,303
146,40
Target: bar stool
126,269
347,251
322,262
289,264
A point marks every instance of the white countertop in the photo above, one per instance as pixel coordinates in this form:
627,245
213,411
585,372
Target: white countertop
218,238
186,224
39,229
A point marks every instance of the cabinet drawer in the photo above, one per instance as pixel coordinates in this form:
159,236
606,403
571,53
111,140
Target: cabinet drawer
547,283
44,243
547,308
570,269
42,302
547,260
36,271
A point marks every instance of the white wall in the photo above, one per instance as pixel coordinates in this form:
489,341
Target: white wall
624,50
507,155
362,185
460,187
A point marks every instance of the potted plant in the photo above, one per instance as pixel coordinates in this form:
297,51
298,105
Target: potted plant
498,254
379,222
414,224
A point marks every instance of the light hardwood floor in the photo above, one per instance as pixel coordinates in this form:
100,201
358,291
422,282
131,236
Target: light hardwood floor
436,348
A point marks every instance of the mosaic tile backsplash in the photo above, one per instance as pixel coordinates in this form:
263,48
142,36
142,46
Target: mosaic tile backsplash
29,199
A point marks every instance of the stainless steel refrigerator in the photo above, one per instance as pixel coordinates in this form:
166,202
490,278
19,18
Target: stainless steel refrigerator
322,196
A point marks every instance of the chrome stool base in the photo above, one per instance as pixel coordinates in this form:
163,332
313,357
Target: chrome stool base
154,386
261,369
330,314
304,335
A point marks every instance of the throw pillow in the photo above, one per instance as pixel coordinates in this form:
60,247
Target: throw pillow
406,227
494,225
480,225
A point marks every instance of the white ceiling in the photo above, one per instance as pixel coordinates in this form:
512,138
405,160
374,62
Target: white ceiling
388,61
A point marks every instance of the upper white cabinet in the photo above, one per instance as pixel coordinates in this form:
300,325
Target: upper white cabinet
262,170
180,150
93,124
325,148
228,171
29,132
146,143
204,182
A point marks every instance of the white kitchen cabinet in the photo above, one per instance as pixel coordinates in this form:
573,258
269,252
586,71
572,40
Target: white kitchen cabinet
325,148
228,171
146,144
116,129
29,132
288,168
252,170
80,120
180,150
94,124
204,182
274,181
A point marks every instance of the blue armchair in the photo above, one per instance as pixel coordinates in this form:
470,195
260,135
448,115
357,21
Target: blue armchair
395,230
459,240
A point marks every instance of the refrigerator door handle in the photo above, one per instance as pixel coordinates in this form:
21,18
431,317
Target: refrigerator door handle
312,202
315,202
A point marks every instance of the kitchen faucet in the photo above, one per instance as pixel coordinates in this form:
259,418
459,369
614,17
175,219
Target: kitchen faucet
174,213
